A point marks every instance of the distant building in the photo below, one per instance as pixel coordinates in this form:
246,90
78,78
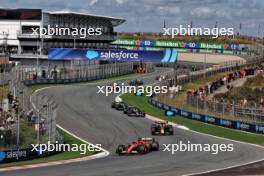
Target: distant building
18,38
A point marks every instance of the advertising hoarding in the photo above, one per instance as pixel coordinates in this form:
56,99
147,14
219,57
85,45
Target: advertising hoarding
167,55
124,42
177,44
172,111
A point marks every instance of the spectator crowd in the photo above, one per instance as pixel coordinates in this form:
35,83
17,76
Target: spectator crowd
225,80
8,118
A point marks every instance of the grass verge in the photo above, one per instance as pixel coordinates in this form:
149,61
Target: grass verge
142,103
68,139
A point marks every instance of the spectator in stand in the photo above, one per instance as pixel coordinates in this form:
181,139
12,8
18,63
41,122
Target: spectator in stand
10,98
29,115
7,120
229,87
262,101
236,75
245,102
225,80
242,73
208,88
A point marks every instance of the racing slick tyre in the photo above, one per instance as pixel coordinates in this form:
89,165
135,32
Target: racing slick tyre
142,114
120,149
171,131
141,149
155,146
153,131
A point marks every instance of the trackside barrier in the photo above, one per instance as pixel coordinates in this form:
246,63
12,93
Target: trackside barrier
63,81
238,125
91,75
234,124
74,74
44,111
21,154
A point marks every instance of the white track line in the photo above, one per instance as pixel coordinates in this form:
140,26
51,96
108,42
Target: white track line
60,162
222,169
186,128
229,167
104,152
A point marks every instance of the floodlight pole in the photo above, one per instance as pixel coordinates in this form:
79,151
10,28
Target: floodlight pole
175,72
205,60
74,44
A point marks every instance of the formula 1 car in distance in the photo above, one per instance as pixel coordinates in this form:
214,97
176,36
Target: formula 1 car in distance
161,77
141,70
133,111
161,128
136,82
120,106
128,108
140,146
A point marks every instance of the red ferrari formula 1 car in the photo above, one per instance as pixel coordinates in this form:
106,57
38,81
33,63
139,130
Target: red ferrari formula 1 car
140,146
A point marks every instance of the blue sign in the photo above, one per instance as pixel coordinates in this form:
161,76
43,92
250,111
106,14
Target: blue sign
167,55
169,113
259,128
146,42
139,93
2,156
192,45
238,125
224,122
196,116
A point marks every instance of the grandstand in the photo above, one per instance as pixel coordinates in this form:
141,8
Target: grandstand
16,31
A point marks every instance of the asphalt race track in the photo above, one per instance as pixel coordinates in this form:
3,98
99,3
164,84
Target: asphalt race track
89,116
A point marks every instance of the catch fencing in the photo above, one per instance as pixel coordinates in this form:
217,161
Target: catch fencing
227,114
34,120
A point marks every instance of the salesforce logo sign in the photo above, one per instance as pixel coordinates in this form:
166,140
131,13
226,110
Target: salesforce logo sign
111,55
92,54
2,156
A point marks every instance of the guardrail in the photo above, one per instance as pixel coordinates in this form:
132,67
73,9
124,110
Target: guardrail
71,75
238,125
21,154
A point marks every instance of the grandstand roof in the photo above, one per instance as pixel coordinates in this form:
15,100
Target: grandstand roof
114,21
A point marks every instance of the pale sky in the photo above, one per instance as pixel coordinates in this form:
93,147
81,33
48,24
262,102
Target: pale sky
148,15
